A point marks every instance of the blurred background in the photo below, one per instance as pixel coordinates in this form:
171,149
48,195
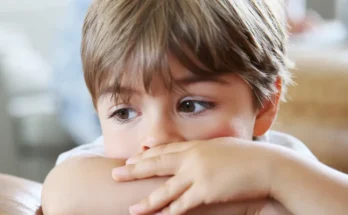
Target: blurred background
45,108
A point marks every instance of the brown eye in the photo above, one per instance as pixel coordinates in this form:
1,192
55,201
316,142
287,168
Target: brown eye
187,107
192,106
124,114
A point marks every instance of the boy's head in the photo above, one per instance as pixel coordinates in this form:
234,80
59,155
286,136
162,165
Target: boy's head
161,71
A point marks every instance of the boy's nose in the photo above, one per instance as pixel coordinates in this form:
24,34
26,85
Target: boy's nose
160,133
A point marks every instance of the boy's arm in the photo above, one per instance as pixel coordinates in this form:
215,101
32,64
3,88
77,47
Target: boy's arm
84,186
308,187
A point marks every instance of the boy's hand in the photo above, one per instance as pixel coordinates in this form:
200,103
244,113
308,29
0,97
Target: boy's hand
205,172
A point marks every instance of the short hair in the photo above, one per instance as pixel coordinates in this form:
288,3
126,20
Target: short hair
131,37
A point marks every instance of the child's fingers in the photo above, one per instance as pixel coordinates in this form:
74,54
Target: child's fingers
162,149
187,201
161,197
163,165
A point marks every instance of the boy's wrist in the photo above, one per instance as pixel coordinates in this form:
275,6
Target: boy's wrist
273,166
284,165
271,159
268,159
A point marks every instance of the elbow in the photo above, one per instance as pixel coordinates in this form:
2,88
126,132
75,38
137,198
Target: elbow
57,192
50,198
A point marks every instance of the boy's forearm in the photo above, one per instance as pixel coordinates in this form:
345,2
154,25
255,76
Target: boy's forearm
84,186
308,187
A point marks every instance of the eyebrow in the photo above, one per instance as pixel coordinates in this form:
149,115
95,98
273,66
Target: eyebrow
123,90
194,79
185,81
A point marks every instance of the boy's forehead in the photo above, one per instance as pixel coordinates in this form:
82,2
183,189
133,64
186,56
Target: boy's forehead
171,76
181,78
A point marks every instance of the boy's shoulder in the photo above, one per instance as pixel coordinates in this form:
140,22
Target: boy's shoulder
286,140
97,147
93,149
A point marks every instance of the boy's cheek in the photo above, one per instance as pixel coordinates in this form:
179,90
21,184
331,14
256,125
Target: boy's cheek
237,128
119,147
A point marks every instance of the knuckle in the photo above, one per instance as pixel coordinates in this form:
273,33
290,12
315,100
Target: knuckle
157,160
197,154
145,154
146,203
167,187
164,191
132,169
161,148
152,152
176,207
169,149
152,199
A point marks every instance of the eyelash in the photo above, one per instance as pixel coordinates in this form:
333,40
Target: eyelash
207,105
119,121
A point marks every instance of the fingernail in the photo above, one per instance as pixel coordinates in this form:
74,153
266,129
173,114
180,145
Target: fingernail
130,161
135,209
119,172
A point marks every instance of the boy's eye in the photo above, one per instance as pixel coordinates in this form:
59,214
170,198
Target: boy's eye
191,106
124,114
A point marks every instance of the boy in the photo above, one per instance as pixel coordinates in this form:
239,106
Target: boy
167,71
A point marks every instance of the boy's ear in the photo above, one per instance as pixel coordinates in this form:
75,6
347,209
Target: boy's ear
268,112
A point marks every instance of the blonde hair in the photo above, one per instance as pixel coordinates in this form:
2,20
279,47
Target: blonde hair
246,37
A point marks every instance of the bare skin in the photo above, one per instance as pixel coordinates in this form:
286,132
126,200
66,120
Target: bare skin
303,185
97,193
203,109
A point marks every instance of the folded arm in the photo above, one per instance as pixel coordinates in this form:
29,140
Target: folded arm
84,186
308,187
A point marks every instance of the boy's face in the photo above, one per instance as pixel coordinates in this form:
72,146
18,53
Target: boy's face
204,109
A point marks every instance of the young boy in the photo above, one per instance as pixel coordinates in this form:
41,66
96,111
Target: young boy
204,75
